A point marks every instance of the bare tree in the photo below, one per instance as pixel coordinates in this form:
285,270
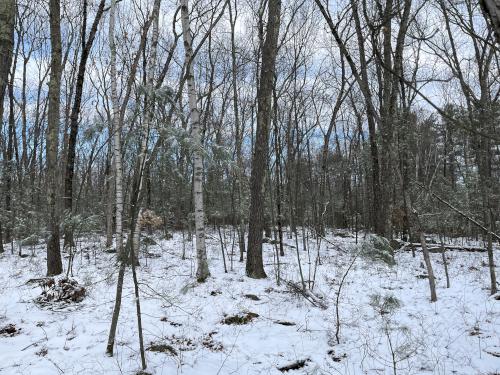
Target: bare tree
240,175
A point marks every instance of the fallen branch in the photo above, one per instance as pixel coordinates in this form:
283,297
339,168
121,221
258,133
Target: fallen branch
294,366
439,248
307,294
37,280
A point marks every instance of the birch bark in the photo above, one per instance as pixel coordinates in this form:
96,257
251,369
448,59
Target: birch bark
117,155
202,271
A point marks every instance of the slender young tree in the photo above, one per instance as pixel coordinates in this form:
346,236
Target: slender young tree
148,116
86,45
118,115
54,263
118,179
254,264
240,174
202,271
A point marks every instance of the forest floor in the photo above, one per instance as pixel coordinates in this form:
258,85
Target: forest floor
188,324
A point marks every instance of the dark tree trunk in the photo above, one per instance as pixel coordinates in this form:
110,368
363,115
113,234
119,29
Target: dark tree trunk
491,10
1,238
9,169
277,151
54,263
7,22
254,265
75,112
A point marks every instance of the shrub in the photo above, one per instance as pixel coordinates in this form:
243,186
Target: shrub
378,248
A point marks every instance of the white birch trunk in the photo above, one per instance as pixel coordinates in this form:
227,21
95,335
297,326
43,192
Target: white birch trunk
117,156
202,271
117,130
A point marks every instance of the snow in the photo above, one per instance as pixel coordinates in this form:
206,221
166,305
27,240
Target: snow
455,335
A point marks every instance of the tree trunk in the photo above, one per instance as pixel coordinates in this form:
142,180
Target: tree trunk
416,224
254,265
9,165
117,135
11,146
148,115
491,260
386,123
75,113
491,9
117,129
7,22
54,263
239,134
277,151
1,238
109,195
202,271
428,265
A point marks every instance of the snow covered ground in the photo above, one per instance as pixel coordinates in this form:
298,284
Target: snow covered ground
458,334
